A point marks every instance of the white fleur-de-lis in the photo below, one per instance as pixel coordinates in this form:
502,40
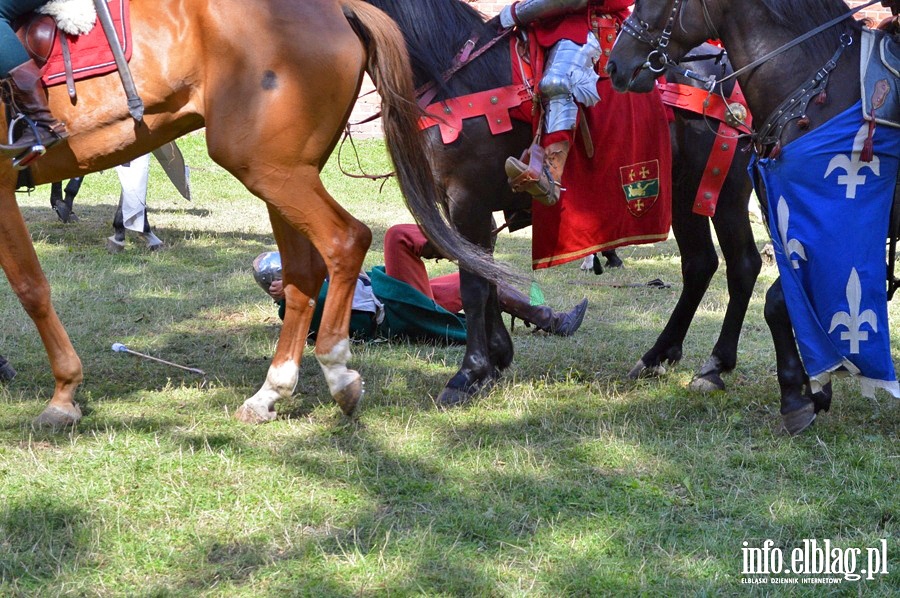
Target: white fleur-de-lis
853,165
854,320
791,246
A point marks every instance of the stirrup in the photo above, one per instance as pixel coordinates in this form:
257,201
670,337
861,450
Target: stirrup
534,178
24,160
25,155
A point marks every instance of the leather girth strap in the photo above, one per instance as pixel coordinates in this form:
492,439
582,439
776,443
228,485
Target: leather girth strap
712,106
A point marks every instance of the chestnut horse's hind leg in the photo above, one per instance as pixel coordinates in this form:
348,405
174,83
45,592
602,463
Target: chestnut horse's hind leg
303,271
20,263
331,240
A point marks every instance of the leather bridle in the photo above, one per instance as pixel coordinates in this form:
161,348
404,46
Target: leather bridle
658,59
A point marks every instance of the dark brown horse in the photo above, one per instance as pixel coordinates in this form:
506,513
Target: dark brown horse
273,83
756,34
471,169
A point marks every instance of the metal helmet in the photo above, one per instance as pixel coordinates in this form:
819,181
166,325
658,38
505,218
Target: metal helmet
267,269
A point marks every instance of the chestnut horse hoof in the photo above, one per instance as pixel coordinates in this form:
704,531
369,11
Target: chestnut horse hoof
57,417
350,397
249,415
640,370
798,420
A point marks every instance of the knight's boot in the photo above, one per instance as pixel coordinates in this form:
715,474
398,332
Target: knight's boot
543,186
540,316
30,99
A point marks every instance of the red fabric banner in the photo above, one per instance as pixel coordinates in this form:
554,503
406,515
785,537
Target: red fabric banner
621,196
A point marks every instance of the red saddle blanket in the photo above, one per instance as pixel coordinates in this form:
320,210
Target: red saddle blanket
91,55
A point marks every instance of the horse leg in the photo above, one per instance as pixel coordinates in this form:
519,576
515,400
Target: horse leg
303,271
742,266
799,405
63,205
116,242
698,264
489,347
20,263
154,243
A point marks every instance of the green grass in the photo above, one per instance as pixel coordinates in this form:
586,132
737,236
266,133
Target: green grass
565,479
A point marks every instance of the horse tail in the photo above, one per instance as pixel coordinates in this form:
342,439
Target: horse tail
390,69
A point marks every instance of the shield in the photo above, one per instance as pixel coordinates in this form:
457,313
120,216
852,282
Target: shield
640,182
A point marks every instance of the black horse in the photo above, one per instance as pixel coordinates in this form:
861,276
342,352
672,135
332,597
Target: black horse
778,72
471,170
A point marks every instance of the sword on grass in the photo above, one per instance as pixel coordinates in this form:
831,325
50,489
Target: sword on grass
135,104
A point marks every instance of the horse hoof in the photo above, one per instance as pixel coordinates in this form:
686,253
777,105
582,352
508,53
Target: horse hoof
7,372
114,246
58,417
708,383
640,370
453,397
800,419
249,415
350,397
64,213
153,242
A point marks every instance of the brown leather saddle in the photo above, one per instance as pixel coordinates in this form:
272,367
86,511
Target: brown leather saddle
38,33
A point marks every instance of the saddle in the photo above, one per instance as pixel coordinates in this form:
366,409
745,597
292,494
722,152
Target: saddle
37,33
880,78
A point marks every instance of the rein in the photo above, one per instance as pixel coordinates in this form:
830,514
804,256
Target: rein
425,93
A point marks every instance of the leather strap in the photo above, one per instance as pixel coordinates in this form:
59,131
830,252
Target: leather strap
67,61
494,104
718,164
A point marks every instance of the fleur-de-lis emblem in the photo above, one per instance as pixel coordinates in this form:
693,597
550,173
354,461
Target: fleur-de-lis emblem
854,320
791,246
853,165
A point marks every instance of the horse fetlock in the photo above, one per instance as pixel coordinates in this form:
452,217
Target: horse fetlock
345,385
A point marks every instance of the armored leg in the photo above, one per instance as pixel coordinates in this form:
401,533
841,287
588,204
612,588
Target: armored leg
569,78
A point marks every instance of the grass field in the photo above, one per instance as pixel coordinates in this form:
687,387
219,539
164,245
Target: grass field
566,479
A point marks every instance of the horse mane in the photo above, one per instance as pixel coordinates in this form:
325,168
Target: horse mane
435,30
800,16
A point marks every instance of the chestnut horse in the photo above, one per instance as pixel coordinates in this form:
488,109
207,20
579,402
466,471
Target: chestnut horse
274,83
471,170
760,35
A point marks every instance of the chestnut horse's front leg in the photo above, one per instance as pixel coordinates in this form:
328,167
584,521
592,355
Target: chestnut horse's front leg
20,263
